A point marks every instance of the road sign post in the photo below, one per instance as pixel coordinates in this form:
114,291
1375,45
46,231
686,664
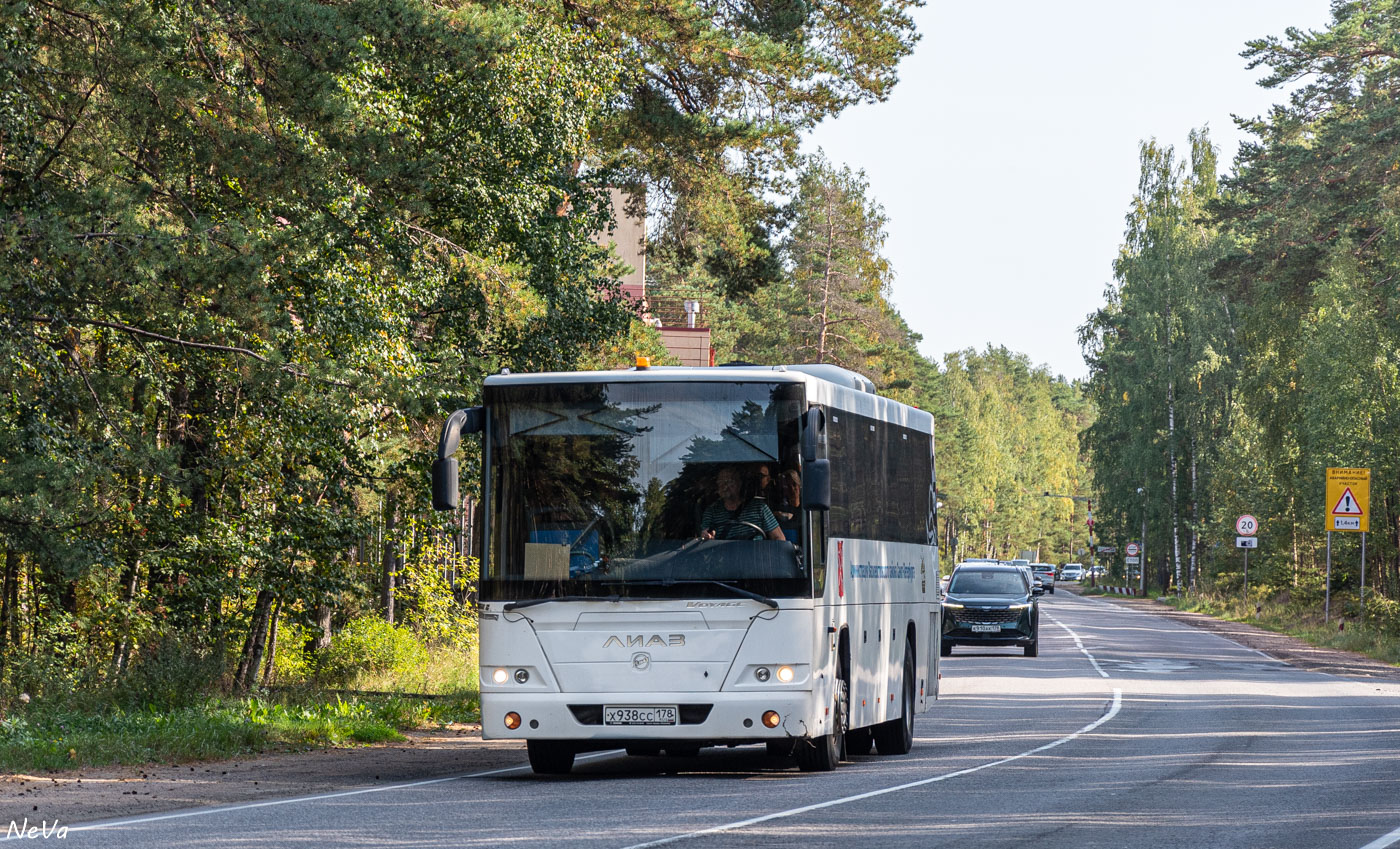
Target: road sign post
1347,505
1246,526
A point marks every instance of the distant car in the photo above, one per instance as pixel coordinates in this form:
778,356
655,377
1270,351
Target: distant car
1025,566
991,604
1096,571
1072,572
1046,573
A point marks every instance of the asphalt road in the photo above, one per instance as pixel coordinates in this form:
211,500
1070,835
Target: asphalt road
1128,730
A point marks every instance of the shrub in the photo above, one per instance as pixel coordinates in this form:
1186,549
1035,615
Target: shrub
173,673
369,644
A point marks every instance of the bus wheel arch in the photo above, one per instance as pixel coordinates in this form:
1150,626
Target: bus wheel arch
824,752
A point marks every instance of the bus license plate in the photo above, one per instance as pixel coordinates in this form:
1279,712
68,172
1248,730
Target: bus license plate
639,715
979,629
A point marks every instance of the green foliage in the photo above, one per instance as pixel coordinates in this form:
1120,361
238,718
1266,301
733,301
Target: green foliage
433,612
1262,313
1007,435
59,735
369,644
716,94
832,305
251,256
64,739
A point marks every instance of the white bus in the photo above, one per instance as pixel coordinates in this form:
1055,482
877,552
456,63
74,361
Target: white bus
635,594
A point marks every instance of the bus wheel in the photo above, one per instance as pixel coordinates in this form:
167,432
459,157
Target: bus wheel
896,737
550,757
826,751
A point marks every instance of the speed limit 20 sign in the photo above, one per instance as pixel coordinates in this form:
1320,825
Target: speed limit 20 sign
1247,525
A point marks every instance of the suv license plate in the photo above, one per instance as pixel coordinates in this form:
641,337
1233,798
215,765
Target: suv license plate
985,629
639,715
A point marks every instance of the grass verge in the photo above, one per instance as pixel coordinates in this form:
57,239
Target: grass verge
38,737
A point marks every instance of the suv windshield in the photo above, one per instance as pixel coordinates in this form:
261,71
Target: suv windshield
987,582
602,489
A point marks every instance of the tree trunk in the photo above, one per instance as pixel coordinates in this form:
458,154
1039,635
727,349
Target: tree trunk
321,641
121,652
1195,517
251,656
389,556
271,644
9,607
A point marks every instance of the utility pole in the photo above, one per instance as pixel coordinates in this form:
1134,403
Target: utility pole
1142,544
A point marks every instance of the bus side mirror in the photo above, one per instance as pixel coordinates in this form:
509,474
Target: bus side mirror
470,420
445,496
816,485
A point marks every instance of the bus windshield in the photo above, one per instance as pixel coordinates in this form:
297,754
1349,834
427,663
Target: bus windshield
644,490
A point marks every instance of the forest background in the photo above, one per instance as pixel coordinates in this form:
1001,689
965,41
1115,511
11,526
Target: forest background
254,254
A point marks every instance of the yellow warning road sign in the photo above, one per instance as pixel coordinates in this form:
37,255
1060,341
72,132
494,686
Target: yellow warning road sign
1348,499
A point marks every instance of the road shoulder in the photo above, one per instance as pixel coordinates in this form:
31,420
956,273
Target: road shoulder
1282,647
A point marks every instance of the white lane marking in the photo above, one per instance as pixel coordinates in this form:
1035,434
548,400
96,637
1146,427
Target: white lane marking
1382,842
200,812
1080,643
1112,712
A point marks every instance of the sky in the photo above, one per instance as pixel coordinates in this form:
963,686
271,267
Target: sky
1007,156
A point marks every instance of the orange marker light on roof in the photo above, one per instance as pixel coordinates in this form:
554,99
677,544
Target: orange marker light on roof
643,362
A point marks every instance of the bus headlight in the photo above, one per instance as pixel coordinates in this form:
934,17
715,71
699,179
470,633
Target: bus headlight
771,718
762,673
785,675
499,676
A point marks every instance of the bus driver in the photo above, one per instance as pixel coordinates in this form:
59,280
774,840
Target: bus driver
732,516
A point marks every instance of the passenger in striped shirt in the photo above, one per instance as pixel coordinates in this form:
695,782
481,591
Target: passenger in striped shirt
733,516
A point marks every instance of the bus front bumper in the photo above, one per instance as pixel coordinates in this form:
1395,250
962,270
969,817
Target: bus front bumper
700,717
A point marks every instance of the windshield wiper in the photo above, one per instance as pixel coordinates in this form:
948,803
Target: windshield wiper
737,590
516,605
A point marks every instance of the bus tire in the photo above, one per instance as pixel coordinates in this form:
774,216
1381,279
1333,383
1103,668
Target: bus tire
825,752
896,736
550,757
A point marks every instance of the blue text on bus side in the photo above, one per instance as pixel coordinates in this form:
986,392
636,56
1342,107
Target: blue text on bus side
891,573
